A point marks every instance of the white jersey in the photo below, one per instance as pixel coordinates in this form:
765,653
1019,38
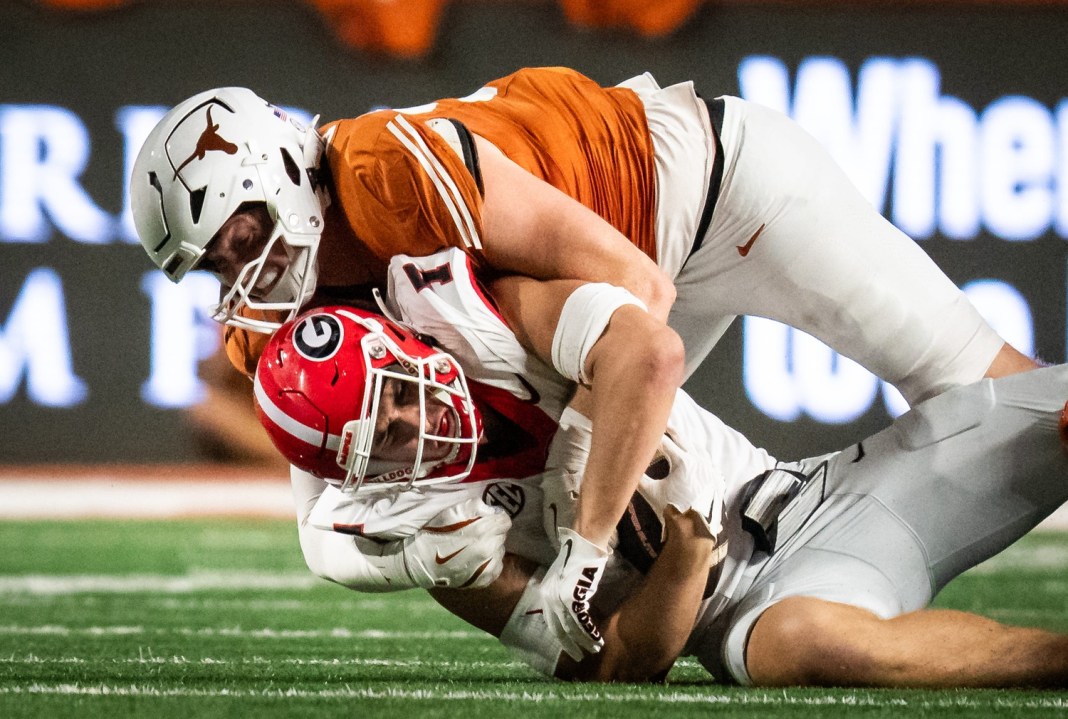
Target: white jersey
438,296
867,535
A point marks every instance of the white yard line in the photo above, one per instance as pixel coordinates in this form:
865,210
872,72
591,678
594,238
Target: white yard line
549,695
124,498
236,632
131,493
34,660
43,584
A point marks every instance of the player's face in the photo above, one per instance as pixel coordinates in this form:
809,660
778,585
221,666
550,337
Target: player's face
397,426
240,240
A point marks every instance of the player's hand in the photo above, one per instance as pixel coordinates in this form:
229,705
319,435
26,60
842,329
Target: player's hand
692,484
462,547
567,588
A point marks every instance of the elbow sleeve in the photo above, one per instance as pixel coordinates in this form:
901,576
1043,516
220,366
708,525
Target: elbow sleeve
583,319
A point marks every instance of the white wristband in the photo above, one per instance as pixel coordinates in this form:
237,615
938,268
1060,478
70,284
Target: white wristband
583,319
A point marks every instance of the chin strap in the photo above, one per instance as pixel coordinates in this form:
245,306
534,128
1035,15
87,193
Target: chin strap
313,146
386,307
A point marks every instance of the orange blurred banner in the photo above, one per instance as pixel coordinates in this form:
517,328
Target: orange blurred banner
408,28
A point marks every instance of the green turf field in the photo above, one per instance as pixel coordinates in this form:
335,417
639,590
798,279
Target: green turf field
220,618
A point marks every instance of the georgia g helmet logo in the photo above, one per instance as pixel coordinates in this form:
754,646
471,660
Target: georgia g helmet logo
318,337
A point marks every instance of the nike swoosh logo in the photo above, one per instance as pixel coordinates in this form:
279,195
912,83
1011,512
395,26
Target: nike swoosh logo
446,528
442,560
567,546
860,453
743,250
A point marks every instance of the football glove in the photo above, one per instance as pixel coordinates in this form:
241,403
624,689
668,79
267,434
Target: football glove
692,483
568,586
462,547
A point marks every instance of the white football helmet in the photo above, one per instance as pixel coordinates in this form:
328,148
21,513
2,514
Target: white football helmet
206,158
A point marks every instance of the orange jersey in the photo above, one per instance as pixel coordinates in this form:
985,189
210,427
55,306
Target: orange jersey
401,187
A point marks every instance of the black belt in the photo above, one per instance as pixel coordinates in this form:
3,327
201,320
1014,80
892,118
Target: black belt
715,117
778,502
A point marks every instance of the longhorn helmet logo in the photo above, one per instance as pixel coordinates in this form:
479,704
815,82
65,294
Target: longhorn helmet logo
209,141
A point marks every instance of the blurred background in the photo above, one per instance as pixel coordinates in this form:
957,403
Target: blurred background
951,116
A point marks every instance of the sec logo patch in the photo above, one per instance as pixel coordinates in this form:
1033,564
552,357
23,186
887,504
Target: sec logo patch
318,337
506,495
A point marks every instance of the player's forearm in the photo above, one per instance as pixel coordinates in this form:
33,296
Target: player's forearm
597,252
611,258
635,373
488,609
649,630
336,558
633,364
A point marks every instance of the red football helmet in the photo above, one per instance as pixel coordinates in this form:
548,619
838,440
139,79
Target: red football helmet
319,386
